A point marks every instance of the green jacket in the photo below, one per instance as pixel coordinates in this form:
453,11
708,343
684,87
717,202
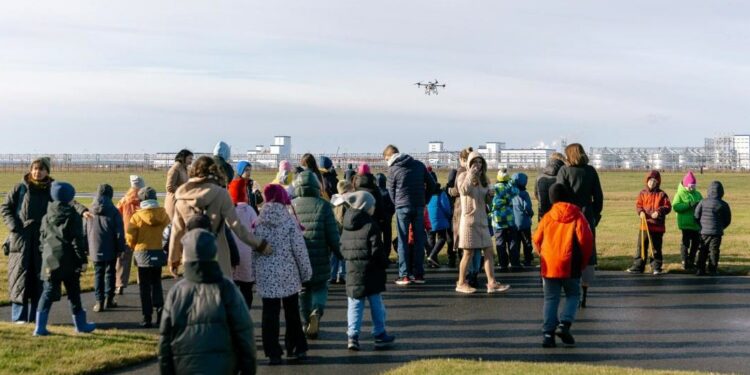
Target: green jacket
63,245
684,204
321,230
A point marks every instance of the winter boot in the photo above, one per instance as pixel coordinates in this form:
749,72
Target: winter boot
158,316
41,323
353,344
584,295
548,340
146,323
563,332
111,302
82,326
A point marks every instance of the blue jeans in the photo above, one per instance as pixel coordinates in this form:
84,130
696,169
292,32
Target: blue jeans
552,291
338,268
410,260
313,301
104,279
356,310
52,293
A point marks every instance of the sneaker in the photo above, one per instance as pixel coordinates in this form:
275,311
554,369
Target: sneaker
563,332
146,323
634,270
418,280
353,344
274,361
99,307
497,288
312,328
383,340
119,290
433,263
549,340
465,289
403,281
658,272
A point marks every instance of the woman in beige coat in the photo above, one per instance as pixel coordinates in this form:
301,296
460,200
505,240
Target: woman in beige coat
474,231
176,177
202,194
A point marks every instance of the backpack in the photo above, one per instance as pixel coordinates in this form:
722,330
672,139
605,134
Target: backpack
19,204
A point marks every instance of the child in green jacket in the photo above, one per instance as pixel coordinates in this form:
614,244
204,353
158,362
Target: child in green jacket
685,201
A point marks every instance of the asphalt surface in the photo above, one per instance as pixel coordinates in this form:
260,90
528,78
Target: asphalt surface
661,322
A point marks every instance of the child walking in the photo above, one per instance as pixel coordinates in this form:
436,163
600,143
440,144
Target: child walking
652,206
366,260
106,241
714,215
523,211
564,242
64,258
685,201
506,242
144,236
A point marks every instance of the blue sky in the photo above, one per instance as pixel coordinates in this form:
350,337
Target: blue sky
143,76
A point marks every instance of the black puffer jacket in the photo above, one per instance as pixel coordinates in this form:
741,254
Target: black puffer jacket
365,254
546,179
388,207
206,327
367,183
584,182
408,182
712,213
105,231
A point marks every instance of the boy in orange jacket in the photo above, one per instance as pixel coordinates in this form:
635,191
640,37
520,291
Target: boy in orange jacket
564,242
652,205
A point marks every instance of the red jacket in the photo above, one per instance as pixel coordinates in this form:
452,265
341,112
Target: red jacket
564,242
650,201
427,227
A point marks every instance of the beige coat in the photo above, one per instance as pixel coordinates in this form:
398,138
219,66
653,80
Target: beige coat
176,176
195,196
456,220
474,230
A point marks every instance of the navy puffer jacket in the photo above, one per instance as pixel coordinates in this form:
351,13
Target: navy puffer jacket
408,182
712,213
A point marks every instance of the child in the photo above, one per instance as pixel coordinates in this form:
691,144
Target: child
652,206
64,258
207,328
522,213
144,236
685,201
243,274
127,206
504,223
564,242
714,215
338,266
440,215
366,261
106,239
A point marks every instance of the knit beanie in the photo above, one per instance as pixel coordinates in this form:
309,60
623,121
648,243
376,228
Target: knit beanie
146,194
361,200
62,192
238,191
689,180
326,162
285,165
104,191
276,193
44,162
560,193
137,182
199,245
502,175
363,169
241,165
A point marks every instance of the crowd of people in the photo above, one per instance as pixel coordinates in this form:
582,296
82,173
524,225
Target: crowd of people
227,237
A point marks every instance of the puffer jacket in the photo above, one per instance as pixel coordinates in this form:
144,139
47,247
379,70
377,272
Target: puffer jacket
206,327
502,205
684,204
244,271
144,236
282,273
713,213
63,244
583,181
408,181
105,233
365,254
653,200
523,209
321,230
440,212
546,179
368,183
564,242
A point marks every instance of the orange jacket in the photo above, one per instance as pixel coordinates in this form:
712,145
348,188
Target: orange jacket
564,242
650,201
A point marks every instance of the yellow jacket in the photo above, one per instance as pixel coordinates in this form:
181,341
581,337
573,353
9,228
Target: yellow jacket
146,228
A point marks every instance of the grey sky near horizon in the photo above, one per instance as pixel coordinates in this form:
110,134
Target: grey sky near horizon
143,76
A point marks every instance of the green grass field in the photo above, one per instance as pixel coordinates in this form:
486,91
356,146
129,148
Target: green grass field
616,235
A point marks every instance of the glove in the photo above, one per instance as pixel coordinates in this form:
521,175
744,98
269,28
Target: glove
642,215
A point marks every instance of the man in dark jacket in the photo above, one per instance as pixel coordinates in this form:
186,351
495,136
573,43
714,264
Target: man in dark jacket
106,238
206,327
366,260
408,185
546,179
714,215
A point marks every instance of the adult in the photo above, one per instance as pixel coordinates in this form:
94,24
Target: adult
128,205
23,210
545,180
330,179
408,183
222,156
177,175
386,226
349,173
453,176
309,163
203,194
582,179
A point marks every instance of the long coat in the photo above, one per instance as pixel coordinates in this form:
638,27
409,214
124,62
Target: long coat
474,230
365,254
176,176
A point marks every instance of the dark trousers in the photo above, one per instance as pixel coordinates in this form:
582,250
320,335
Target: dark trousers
451,244
506,244
639,262
437,240
710,250
149,284
524,240
104,279
294,338
691,240
246,289
386,229
52,292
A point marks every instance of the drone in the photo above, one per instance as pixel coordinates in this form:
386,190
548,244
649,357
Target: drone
430,87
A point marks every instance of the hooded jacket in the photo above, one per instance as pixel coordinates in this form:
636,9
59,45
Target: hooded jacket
684,205
63,244
713,213
408,181
244,270
474,231
440,211
543,183
653,200
177,175
282,273
502,204
368,183
365,254
222,154
128,205
206,327
523,210
564,242
321,230
144,236
105,233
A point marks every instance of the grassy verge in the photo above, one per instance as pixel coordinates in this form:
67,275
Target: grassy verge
452,367
66,352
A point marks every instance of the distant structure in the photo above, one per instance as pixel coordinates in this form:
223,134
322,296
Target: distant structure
270,157
495,153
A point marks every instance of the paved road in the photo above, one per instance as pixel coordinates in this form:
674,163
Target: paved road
667,322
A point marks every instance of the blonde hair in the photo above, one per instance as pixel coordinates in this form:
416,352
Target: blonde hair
557,156
389,151
576,155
